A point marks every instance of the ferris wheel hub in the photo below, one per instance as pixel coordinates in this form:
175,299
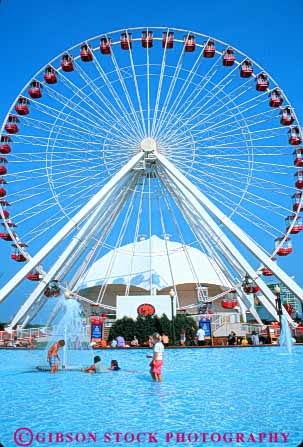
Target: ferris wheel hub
148,144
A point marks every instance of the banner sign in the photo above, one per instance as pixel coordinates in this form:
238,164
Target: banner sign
204,324
96,333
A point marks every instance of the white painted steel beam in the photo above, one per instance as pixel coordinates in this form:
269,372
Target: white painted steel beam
191,217
232,227
78,243
69,226
192,193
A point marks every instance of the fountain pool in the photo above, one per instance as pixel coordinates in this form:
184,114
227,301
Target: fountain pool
233,390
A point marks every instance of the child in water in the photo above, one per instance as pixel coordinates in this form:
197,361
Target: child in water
95,367
114,366
53,357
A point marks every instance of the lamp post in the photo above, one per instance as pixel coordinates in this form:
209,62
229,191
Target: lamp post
279,305
172,295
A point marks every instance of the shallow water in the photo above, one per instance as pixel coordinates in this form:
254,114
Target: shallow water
204,390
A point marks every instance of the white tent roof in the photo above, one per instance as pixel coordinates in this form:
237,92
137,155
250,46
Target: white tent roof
136,263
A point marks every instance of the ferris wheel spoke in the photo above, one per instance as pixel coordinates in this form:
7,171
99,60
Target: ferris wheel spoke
109,222
256,101
140,127
263,184
257,200
159,87
163,189
54,142
104,100
135,238
237,93
88,127
268,115
236,207
116,97
169,94
66,131
185,86
91,117
136,85
73,206
188,103
124,226
234,127
107,113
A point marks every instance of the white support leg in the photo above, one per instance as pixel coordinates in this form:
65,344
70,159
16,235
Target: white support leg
78,242
67,229
180,181
232,227
197,229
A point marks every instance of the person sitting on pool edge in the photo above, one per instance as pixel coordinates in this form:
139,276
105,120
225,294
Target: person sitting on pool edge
114,366
53,357
95,367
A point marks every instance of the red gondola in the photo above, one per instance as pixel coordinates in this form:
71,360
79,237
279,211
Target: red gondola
226,304
266,271
299,181
22,106
50,75
10,224
3,169
147,39
105,45
230,300
286,247
52,289
67,63
19,257
249,286
4,146
287,117
20,244
246,69
262,82
294,136
288,308
189,43
296,222
86,53
276,98
34,276
126,41
35,90
229,57
298,157
167,39
209,49
2,191
5,215
7,236
297,205
11,125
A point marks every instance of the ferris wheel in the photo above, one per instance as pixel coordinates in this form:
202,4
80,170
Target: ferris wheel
149,131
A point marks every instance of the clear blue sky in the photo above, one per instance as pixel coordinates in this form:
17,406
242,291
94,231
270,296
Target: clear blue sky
34,32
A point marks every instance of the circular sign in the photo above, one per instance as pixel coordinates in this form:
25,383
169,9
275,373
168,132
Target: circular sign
146,309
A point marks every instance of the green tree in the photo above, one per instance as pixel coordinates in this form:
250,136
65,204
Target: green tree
125,327
187,323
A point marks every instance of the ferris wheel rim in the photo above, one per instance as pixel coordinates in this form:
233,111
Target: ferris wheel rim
70,49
